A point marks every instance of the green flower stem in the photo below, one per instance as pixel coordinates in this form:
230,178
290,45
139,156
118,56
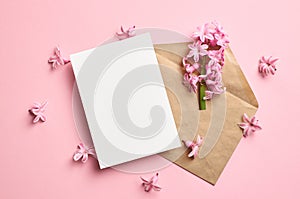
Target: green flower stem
202,87
202,102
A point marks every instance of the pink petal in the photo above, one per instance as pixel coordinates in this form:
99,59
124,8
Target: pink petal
43,117
246,118
81,146
66,60
148,187
36,119
85,157
156,188
257,127
246,132
188,143
77,156
194,152
272,61
252,120
243,125
144,180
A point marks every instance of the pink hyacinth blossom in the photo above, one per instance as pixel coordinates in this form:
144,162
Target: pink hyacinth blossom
220,35
151,183
188,67
205,32
213,65
267,65
249,125
197,49
38,111
214,83
83,153
190,81
123,34
194,146
57,59
217,55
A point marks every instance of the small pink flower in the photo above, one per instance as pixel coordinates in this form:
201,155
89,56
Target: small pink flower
213,65
151,183
197,49
194,146
83,153
220,35
204,32
250,125
38,111
188,67
217,55
57,59
267,65
190,81
214,83
130,32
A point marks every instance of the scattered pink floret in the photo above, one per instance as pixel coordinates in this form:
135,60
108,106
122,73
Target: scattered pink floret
194,146
123,34
83,153
249,125
37,110
151,183
267,65
57,59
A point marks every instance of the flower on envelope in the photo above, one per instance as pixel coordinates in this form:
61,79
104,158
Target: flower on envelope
249,125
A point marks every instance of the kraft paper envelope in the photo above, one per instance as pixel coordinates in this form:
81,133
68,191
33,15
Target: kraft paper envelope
217,124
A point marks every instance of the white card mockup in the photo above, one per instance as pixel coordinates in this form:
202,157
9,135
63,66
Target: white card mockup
125,101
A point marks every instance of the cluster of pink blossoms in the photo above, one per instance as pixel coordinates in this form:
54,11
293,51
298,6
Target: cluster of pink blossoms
205,60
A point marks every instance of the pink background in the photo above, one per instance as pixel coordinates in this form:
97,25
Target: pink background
36,160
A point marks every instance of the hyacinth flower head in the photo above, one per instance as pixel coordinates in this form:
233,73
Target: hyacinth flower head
207,53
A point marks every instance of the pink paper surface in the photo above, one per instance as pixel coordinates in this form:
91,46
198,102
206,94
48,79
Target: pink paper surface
36,160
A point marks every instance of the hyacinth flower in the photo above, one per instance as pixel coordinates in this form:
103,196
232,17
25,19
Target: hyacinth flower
194,146
57,59
37,110
83,153
217,56
190,81
189,68
208,53
123,34
267,65
197,50
249,125
214,83
203,33
151,183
